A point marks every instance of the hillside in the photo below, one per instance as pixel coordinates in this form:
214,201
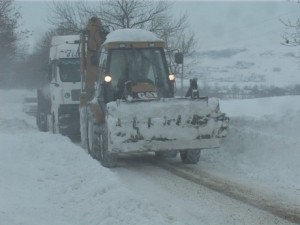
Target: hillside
247,67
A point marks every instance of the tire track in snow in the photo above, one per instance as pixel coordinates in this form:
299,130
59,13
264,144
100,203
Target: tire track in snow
232,190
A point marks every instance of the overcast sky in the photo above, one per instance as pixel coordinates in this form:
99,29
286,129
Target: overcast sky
217,24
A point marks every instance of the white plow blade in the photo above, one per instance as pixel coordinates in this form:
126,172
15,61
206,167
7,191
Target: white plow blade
168,124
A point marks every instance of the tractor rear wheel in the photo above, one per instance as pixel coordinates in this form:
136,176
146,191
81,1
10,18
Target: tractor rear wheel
92,134
107,159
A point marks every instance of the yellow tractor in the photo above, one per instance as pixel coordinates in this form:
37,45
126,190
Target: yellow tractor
127,102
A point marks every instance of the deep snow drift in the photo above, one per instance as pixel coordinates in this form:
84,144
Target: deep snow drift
262,149
47,179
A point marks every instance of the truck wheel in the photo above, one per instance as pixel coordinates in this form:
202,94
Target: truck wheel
190,156
42,122
106,159
54,130
83,127
38,123
92,146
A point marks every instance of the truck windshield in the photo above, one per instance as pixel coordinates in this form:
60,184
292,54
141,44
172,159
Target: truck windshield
139,65
69,70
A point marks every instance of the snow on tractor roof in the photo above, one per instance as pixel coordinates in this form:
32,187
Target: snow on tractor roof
132,35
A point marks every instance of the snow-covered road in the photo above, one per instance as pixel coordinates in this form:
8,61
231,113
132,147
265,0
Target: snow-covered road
47,179
189,201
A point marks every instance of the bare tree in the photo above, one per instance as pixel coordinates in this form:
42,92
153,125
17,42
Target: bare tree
34,68
130,14
115,13
154,16
9,37
291,35
8,24
67,17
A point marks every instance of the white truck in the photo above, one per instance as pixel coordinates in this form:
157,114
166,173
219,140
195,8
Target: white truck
58,101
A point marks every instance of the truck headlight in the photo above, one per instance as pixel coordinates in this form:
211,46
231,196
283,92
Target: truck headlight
172,77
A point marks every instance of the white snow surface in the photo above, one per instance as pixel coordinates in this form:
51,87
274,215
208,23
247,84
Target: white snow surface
131,35
47,179
163,115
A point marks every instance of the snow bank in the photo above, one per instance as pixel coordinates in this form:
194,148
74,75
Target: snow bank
47,179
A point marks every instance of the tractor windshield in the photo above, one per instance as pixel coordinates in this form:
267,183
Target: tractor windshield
69,70
139,66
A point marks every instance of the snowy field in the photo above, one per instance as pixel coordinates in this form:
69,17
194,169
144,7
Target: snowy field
248,66
271,66
47,179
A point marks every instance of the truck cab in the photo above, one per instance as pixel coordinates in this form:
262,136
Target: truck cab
63,90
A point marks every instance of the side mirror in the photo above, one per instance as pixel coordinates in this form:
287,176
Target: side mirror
179,58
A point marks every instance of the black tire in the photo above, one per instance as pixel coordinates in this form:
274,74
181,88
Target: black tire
190,156
83,127
54,131
41,120
107,159
38,123
166,154
97,143
92,132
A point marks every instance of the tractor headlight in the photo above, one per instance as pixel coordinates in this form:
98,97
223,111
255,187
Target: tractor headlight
107,78
172,77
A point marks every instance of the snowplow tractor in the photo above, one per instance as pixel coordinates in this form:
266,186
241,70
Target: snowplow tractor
134,110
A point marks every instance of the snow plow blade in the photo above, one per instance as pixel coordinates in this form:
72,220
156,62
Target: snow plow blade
167,124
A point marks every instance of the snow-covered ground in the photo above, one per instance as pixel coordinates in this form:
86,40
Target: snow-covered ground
262,148
47,179
244,67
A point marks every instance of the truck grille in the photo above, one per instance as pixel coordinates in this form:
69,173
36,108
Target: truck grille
75,95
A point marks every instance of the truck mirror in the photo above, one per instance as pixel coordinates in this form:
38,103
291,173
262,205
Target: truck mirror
179,58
